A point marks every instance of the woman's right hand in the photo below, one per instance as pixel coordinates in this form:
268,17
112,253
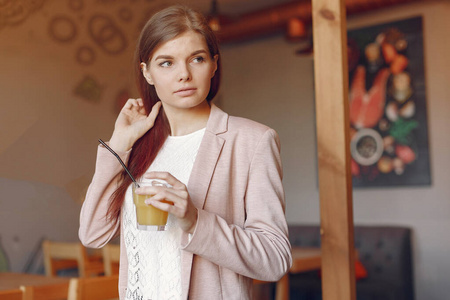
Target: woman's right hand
132,123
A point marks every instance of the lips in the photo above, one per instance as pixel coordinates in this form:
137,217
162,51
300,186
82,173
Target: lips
185,92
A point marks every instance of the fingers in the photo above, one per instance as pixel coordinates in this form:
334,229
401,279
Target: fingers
166,176
175,200
139,104
153,114
182,208
133,103
177,194
134,106
167,196
160,205
166,193
149,190
170,200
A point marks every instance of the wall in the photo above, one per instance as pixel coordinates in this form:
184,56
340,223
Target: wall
65,66
49,133
265,81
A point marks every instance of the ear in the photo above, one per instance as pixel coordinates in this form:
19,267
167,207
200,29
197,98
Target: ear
146,73
215,58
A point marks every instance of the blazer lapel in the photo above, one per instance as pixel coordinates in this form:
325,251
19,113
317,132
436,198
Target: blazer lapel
203,168
186,268
207,156
200,178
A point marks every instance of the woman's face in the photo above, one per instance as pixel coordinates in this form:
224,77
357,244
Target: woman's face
181,70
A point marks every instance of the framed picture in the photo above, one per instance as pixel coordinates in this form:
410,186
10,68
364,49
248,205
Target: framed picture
388,115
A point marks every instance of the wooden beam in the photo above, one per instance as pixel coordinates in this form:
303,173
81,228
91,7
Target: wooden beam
275,18
335,185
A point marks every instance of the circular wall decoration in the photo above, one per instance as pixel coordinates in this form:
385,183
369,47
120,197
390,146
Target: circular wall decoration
76,5
366,146
85,55
5,3
33,5
125,14
106,2
62,29
14,12
106,34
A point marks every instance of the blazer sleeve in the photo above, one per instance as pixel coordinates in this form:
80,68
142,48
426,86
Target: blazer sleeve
261,248
95,230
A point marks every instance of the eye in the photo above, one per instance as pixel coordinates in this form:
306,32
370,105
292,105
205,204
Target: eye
165,64
199,59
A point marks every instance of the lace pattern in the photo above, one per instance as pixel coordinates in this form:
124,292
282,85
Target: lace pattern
154,257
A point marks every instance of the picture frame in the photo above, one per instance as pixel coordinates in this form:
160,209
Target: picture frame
387,105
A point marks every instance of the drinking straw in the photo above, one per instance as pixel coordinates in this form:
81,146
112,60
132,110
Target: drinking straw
121,162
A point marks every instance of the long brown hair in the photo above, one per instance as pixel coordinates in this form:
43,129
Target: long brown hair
163,26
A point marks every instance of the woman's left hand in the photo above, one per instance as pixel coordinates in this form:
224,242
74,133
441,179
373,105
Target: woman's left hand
183,208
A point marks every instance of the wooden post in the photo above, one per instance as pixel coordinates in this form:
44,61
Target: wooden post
335,186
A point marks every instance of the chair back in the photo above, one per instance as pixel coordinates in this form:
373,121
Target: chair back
56,291
98,288
15,294
111,258
60,255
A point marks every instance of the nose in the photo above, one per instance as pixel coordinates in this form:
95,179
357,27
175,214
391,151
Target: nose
184,73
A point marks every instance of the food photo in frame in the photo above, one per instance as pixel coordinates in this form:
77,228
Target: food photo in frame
387,105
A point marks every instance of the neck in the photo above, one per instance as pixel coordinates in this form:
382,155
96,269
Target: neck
185,121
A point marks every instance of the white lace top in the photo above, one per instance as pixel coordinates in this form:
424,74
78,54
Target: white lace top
154,265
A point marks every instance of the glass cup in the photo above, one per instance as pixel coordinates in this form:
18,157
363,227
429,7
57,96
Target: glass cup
149,217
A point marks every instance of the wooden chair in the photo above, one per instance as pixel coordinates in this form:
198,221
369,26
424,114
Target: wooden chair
111,258
59,256
15,294
98,288
56,291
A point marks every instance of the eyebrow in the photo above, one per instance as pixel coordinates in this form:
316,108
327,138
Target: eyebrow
171,57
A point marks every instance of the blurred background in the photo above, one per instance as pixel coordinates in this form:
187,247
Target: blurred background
65,70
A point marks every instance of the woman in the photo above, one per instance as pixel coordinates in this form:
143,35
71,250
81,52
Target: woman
227,223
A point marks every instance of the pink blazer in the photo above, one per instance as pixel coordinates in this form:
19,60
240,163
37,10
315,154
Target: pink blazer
236,184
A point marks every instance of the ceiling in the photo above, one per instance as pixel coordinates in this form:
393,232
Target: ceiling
238,7
233,7
245,19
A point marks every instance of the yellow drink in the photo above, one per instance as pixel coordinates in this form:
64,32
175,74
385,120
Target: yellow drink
148,214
